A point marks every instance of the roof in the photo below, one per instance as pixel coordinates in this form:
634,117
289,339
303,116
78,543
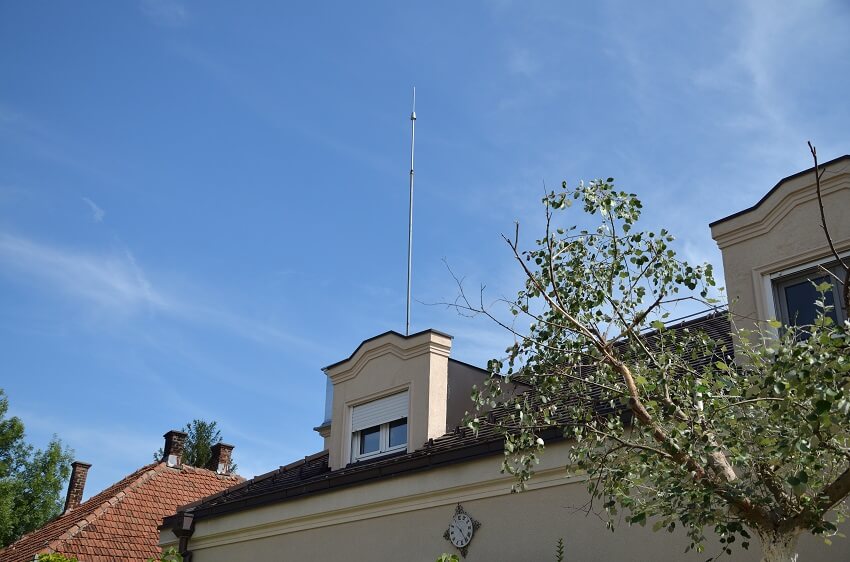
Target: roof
767,195
120,523
387,333
312,474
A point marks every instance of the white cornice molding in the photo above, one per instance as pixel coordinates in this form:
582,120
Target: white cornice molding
391,344
765,217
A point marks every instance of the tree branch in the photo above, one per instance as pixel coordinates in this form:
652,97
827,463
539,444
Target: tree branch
846,291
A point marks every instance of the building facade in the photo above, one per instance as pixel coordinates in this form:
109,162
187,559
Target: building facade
400,479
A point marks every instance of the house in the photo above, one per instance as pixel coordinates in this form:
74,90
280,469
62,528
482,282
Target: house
120,523
773,250
400,479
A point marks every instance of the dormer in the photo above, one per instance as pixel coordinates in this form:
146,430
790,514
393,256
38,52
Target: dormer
776,249
392,395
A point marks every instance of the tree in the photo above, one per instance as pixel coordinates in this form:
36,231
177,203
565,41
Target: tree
170,554
55,557
759,445
200,436
31,480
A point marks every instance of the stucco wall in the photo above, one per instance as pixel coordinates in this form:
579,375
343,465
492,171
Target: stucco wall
404,518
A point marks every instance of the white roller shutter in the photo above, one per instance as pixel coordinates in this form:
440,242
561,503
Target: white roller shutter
379,411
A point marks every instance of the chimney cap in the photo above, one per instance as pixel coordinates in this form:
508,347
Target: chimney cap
76,485
175,432
172,452
220,457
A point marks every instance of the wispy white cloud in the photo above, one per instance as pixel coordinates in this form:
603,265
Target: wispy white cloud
243,326
116,443
97,212
752,67
774,51
114,282
166,13
27,132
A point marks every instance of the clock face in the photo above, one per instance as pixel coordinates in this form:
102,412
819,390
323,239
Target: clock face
460,530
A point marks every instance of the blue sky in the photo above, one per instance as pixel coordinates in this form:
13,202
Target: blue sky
202,204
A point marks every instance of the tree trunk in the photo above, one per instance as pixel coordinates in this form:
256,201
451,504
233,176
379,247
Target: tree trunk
776,547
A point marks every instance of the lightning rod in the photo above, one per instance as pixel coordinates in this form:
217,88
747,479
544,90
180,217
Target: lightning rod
410,212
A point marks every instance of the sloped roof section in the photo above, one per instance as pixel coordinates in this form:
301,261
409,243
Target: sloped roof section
312,474
120,523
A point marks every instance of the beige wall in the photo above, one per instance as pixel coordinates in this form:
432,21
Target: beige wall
387,365
781,234
403,518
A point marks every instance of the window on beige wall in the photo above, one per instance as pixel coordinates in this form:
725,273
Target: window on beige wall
379,427
795,295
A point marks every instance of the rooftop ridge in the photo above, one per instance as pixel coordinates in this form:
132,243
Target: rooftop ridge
79,509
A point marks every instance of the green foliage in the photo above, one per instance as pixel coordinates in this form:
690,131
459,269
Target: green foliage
559,551
170,554
31,480
200,436
448,558
665,435
55,557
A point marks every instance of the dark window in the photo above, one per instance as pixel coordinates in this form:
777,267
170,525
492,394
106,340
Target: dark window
398,432
797,294
370,440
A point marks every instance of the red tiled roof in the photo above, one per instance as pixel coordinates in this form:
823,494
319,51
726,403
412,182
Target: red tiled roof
120,523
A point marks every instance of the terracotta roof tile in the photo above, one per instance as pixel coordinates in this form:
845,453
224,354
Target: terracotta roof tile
120,523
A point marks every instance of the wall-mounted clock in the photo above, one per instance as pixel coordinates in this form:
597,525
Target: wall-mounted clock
460,531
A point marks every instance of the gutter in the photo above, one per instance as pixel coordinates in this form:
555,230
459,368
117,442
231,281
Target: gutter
182,524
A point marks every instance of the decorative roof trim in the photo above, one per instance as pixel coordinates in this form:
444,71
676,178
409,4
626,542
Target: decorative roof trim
776,187
379,336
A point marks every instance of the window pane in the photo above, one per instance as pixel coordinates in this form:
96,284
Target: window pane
800,300
398,432
370,440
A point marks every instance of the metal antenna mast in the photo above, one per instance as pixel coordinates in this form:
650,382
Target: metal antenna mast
410,215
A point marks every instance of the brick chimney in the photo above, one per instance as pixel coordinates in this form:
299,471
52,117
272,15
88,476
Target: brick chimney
79,471
172,454
220,459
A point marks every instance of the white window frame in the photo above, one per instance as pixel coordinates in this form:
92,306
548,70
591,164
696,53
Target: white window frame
384,442
382,415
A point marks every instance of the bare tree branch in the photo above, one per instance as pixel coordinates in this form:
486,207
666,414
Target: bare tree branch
846,283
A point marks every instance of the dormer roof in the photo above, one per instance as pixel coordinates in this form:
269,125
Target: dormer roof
369,343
